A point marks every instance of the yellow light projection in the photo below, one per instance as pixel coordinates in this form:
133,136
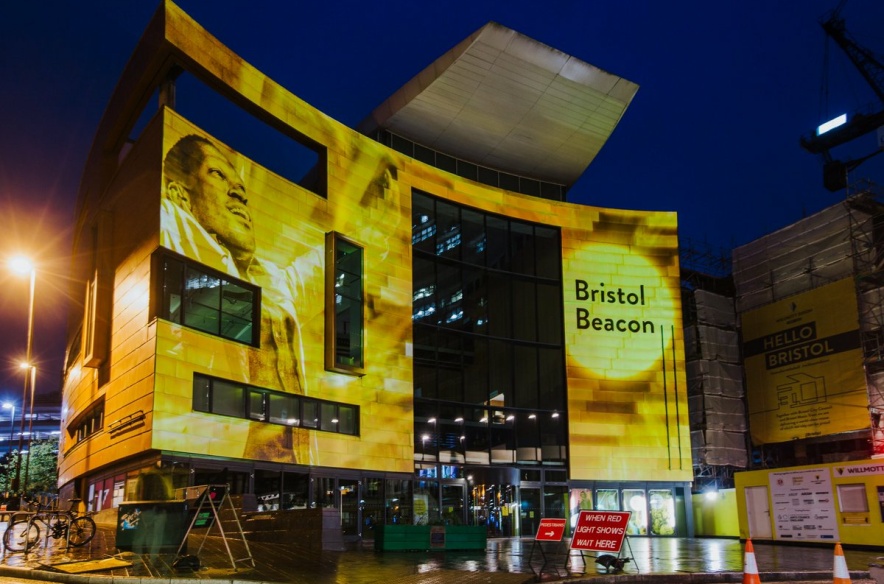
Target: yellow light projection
227,213
623,312
627,392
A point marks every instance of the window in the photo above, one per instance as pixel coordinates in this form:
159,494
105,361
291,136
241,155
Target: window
238,400
199,298
88,423
344,306
852,498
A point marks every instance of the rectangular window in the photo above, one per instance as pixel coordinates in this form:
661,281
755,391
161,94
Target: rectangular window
853,498
344,305
200,298
228,398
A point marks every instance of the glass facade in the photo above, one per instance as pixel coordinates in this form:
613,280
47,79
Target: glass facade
489,382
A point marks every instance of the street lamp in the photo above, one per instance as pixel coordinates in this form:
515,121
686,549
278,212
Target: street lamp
10,406
24,266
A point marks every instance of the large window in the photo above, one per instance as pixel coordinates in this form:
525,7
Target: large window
200,298
344,305
228,398
489,366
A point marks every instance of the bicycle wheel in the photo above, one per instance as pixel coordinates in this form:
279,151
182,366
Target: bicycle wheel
81,531
21,535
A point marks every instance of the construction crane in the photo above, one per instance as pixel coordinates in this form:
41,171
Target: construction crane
859,123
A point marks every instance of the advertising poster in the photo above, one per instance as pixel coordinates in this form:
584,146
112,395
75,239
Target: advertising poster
803,364
803,505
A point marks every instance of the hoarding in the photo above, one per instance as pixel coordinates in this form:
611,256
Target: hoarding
803,364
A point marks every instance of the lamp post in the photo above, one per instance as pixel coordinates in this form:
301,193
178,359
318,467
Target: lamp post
23,266
33,372
10,406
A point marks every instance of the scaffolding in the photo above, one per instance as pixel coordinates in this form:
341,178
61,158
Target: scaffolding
845,240
714,376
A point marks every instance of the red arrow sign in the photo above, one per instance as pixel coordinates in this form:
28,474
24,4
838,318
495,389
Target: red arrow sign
550,530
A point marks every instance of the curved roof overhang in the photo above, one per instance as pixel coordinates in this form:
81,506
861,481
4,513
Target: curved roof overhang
503,100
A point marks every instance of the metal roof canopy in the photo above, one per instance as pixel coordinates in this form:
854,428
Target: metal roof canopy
503,100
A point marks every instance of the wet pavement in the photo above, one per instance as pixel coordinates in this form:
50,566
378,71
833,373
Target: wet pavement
504,561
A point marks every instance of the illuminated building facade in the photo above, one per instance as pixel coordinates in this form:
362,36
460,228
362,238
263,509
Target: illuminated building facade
415,327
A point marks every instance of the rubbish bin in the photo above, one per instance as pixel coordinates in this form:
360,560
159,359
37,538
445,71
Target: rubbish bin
150,527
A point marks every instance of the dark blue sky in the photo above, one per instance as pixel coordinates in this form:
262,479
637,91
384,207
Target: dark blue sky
726,90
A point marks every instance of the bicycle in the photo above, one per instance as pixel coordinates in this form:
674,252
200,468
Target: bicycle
23,531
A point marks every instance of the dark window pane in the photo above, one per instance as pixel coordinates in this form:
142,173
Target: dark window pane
228,399
449,296
425,154
309,414
328,416
530,187
256,405
497,243
348,305
425,381
522,248
488,176
552,378
402,145
526,378
525,310
448,234
424,304
549,308
467,170
423,224
446,163
474,302
509,182
173,289
202,301
548,251
500,313
473,229
284,409
500,364
347,420
476,370
202,392
237,310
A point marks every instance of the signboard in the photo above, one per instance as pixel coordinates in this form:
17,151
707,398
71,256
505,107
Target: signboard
804,374
437,537
550,530
600,531
803,505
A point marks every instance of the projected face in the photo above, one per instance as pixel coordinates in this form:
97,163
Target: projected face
218,201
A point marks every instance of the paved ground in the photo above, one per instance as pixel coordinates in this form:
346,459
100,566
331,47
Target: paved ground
505,561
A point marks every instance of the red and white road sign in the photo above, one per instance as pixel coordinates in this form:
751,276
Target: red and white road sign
600,531
550,530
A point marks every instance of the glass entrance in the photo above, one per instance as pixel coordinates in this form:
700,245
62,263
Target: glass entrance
495,506
349,492
529,510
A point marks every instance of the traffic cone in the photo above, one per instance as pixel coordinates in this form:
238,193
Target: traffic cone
842,576
750,568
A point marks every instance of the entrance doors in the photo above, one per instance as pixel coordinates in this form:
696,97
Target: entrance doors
496,507
529,510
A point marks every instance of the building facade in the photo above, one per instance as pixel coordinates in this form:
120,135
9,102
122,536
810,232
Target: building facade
412,328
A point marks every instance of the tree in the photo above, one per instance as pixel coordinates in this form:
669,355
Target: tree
42,467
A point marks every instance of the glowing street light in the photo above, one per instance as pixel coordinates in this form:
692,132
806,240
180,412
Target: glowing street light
22,265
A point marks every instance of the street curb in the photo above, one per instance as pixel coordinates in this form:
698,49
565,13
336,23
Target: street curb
707,578
49,576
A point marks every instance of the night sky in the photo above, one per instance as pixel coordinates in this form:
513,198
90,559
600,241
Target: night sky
726,90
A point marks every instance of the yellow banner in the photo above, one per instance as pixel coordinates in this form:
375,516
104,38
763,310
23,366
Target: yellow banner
803,363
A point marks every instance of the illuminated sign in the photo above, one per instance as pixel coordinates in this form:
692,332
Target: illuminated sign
831,124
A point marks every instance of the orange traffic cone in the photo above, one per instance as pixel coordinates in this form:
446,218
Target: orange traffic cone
750,568
842,576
